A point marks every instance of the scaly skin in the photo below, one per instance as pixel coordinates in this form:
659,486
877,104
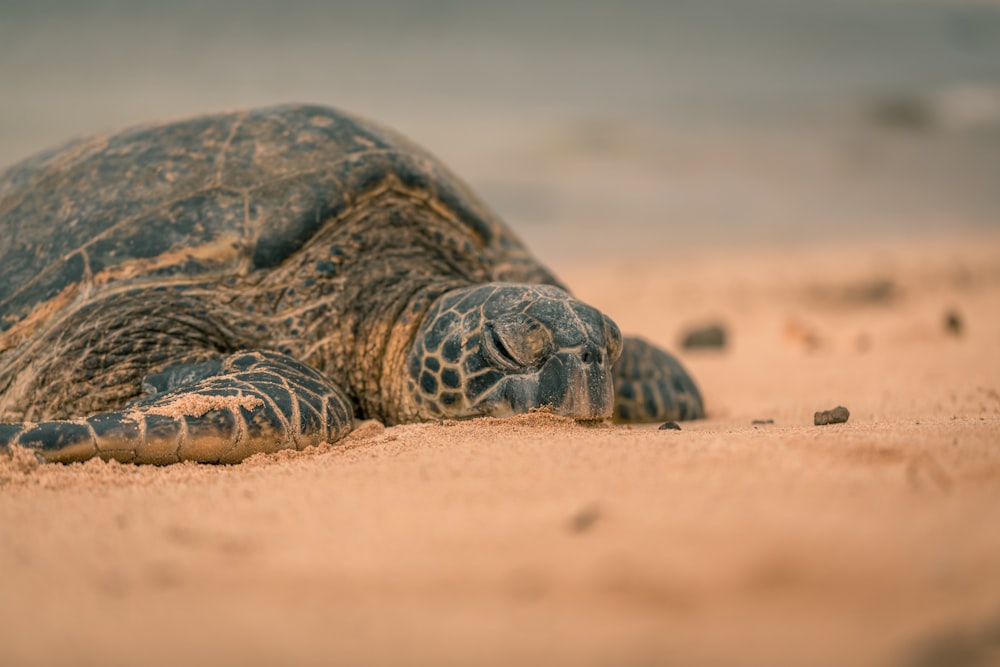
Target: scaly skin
145,269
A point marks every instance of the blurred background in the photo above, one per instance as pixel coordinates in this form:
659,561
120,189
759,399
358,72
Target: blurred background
593,127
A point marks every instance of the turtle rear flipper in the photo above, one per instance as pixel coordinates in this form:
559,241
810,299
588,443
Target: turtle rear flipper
258,401
651,385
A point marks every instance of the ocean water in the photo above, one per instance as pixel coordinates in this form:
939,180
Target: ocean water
588,125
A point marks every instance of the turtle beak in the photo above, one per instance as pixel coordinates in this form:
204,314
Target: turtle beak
570,384
577,386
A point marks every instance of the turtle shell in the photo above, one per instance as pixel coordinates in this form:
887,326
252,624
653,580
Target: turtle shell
203,199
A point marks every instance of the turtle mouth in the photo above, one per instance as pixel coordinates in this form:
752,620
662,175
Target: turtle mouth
566,384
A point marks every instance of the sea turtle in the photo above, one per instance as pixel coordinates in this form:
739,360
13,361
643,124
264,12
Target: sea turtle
209,288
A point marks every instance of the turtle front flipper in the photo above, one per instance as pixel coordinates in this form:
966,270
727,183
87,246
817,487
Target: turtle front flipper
651,385
251,402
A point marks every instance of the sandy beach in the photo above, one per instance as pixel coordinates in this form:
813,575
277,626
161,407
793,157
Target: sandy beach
538,540
819,179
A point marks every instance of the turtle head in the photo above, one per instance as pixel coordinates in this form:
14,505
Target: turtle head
502,349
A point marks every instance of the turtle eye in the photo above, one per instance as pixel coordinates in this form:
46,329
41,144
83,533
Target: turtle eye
517,341
613,339
496,349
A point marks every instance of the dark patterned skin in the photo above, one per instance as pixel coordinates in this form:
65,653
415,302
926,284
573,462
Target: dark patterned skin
500,349
236,283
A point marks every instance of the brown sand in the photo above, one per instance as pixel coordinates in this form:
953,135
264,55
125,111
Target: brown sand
537,540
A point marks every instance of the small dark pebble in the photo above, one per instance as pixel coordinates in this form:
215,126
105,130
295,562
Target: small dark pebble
838,415
670,426
759,422
953,323
712,336
584,519
903,112
873,291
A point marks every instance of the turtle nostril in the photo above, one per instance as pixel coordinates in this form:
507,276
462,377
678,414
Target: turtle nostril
589,357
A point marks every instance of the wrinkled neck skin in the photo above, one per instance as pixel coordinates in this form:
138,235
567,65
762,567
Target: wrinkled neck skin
389,398
351,301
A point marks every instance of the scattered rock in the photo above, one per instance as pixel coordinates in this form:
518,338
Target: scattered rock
708,337
906,112
967,644
585,519
761,422
964,107
879,290
801,334
953,323
874,290
670,426
838,415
